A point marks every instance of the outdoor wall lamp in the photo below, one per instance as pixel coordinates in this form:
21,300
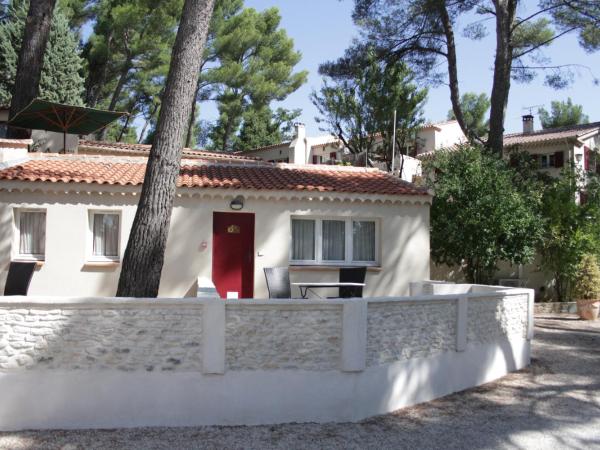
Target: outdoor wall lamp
237,203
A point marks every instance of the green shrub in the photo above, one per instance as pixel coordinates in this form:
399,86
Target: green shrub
587,285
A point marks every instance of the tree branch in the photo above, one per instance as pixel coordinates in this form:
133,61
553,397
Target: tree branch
528,18
541,44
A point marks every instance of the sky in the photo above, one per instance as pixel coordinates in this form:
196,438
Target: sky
323,29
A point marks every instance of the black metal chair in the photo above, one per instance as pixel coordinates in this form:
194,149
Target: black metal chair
352,275
278,282
19,278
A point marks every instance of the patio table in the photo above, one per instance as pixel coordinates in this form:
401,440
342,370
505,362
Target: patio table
305,287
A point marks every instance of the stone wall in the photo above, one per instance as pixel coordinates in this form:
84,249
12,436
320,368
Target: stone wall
107,362
556,308
492,317
173,335
114,337
403,330
283,337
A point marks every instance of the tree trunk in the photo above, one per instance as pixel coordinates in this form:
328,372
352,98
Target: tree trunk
505,16
144,256
97,77
124,128
147,122
31,58
190,130
453,71
116,94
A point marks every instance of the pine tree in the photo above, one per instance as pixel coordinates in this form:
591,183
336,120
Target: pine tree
359,108
129,49
254,66
265,127
562,114
61,77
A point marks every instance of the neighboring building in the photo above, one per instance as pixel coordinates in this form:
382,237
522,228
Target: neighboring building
104,148
554,147
302,149
233,216
329,149
41,140
436,136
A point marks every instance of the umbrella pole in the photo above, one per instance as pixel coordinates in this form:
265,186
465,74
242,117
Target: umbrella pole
65,141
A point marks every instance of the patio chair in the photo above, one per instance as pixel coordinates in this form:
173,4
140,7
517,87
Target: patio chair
19,277
278,282
352,275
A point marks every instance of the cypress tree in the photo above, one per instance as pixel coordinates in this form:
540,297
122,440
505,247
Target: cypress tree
61,78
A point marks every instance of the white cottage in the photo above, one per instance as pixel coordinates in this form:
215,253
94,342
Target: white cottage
233,216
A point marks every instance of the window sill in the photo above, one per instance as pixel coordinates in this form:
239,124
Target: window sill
324,267
38,262
101,264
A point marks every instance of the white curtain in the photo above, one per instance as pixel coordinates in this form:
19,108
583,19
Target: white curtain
334,239
32,229
106,235
363,241
303,240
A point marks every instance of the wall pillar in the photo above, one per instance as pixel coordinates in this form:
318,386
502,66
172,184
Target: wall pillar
461,323
213,337
354,336
530,310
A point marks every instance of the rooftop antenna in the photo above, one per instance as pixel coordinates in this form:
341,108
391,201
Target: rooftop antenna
530,108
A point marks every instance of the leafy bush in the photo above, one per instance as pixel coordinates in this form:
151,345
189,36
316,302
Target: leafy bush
483,211
587,285
570,228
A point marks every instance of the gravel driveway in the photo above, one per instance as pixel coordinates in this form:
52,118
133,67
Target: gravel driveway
553,404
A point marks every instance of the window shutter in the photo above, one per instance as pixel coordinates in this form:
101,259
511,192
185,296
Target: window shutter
559,159
586,158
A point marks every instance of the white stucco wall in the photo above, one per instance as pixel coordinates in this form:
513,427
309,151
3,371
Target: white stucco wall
450,134
106,362
276,153
403,243
47,141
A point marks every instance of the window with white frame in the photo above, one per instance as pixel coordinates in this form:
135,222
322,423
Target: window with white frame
31,229
104,227
334,241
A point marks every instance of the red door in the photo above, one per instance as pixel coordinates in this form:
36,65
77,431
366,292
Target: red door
233,254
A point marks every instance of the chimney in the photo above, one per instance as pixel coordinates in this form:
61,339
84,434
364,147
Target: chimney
300,150
13,151
527,124
300,131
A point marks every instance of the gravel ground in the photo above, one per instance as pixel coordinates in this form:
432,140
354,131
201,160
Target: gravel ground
555,403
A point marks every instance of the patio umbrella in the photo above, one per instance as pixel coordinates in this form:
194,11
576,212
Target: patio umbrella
50,116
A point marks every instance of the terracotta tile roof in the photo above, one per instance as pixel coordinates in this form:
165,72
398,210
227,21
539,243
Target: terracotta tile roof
102,147
551,134
286,177
437,125
268,147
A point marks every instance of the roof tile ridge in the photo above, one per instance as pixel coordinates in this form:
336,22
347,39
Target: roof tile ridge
543,131
98,159
327,168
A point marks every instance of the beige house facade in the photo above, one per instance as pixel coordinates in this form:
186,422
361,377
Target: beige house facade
72,215
555,148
